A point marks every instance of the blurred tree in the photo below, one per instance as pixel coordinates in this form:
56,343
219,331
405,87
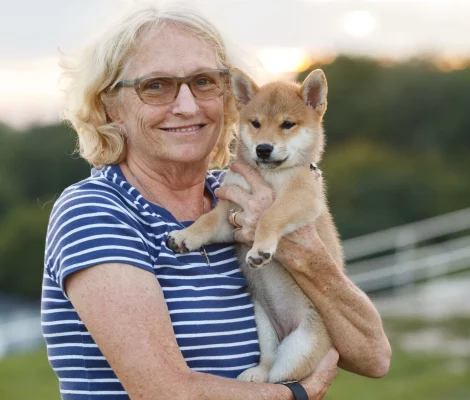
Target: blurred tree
38,164
22,237
35,167
398,144
410,105
372,187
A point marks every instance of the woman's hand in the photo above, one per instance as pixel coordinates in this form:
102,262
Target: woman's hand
253,204
317,384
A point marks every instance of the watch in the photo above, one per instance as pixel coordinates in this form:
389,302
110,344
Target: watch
297,389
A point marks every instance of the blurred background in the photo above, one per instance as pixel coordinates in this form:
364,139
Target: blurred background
397,166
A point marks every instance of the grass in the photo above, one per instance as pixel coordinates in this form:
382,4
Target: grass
28,377
453,326
431,375
412,376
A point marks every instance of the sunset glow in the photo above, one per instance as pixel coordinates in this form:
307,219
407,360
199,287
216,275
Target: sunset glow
285,39
30,91
359,23
279,60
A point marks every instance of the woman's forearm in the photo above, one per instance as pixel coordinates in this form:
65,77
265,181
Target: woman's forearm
352,321
202,386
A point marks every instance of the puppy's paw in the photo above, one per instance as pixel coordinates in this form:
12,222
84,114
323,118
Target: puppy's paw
179,242
255,374
257,258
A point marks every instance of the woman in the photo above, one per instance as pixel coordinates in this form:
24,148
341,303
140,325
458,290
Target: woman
143,322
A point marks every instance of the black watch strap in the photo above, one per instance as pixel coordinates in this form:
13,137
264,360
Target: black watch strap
299,392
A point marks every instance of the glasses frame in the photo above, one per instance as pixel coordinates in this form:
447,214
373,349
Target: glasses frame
136,84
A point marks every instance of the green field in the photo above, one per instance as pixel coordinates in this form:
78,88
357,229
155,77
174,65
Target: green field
414,375
28,377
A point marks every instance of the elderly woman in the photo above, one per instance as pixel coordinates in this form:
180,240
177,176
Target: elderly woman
122,315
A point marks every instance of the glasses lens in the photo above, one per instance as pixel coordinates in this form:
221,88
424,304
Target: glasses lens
207,85
157,90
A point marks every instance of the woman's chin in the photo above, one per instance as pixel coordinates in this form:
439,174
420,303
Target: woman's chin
188,154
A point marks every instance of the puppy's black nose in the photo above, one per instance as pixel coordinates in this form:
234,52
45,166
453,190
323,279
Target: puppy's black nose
264,150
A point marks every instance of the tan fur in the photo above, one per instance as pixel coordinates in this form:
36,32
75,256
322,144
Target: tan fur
293,338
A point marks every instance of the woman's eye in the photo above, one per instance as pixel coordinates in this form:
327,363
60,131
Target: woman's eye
202,81
155,85
255,123
287,124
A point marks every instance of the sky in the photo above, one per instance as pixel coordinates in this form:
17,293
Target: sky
282,34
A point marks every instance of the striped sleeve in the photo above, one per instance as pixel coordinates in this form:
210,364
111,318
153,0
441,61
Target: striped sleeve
91,227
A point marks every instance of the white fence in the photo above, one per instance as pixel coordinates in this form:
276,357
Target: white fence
21,331
413,256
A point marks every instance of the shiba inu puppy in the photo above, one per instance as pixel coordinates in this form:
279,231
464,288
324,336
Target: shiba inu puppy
280,134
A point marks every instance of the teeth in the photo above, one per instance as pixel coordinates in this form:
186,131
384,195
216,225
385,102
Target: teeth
189,129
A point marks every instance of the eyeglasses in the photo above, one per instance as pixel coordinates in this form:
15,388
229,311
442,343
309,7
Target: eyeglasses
164,89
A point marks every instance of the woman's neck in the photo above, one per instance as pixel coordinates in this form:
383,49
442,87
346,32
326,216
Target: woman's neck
178,188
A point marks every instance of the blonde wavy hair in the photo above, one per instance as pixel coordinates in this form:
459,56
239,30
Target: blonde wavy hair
94,73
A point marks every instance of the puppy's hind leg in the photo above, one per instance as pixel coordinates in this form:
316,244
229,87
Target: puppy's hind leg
300,352
268,342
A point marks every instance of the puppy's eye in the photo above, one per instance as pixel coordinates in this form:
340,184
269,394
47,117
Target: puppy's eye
255,123
287,124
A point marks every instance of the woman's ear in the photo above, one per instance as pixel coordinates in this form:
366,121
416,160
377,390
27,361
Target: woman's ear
112,109
114,116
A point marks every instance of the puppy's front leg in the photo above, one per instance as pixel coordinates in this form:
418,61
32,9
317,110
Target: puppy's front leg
289,212
212,227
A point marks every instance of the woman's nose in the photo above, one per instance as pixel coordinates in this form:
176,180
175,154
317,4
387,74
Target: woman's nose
185,103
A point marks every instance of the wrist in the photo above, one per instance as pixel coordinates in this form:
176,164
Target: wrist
297,255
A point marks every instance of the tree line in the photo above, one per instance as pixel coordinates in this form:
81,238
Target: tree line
397,151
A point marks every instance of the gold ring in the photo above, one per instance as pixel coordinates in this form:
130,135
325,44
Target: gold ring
231,218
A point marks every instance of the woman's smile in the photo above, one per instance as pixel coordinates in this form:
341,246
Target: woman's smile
185,130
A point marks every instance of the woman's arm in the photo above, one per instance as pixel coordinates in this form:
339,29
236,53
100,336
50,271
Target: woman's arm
124,310
353,322
351,319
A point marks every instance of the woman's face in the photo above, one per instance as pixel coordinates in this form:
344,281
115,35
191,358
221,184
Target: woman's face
155,131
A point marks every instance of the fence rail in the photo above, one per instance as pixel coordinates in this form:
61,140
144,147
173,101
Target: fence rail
409,234
20,333
411,257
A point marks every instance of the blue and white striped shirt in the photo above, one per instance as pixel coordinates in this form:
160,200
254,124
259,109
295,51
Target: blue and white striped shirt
104,219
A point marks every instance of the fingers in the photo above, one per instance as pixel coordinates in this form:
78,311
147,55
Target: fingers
261,196
251,175
235,194
244,235
322,381
329,361
326,371
318,383
321,385
247,221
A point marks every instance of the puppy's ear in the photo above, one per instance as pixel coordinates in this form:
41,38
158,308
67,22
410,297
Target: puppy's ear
243,86
314,90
